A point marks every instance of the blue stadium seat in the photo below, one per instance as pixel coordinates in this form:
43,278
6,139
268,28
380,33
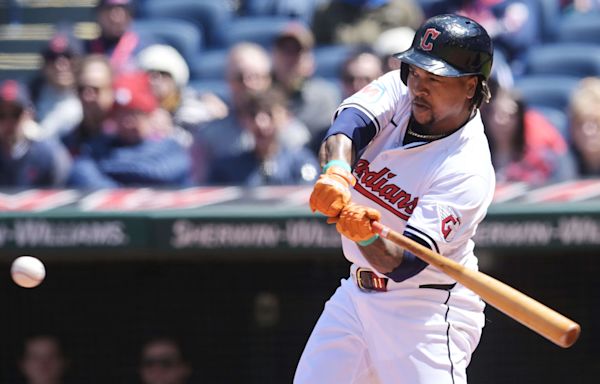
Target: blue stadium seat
329,60
209,65
572,59
547,91
580,27
549,19
302,10
257,29
213,16
180,34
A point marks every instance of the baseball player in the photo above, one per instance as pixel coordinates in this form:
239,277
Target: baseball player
421,166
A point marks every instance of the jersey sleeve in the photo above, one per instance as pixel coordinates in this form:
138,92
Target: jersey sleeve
379,100
447,215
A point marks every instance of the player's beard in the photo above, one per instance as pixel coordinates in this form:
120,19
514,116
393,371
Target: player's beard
422,113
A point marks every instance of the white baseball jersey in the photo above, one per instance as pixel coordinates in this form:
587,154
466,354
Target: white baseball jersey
437,191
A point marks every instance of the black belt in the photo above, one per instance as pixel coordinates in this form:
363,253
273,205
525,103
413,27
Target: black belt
368,281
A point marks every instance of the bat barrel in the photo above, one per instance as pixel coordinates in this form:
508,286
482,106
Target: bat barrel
515,304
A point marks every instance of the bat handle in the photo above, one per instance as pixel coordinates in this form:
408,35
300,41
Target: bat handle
380,229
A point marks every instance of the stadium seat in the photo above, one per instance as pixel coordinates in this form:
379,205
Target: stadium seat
329,60
211,15
547,91
549,18
209,65
302,10
180,34
580,27
257,29
572,59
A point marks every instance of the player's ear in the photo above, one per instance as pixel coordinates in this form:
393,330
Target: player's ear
471,86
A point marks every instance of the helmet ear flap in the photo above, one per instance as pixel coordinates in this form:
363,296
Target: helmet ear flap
404,73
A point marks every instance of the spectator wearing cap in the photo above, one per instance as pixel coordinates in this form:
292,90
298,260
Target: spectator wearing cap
25,159
360,22
169,75
266,117
94,79
391,42
248,70
132,155
117,41
58,110
313,100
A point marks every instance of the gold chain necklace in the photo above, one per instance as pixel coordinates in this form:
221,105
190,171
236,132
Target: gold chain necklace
425,137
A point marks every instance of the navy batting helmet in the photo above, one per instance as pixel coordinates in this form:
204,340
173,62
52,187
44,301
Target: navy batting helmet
451,46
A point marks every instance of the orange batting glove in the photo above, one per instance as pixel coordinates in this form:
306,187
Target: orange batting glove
354,222
332,191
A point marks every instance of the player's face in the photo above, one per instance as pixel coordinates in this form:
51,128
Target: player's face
440,103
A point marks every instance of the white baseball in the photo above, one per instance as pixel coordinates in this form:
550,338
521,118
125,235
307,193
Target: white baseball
27,271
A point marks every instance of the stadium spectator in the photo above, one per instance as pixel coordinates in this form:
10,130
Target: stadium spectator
513,25
584,124
57,107
169,75
358,70
271,161
524,145
94,90
312,100
132,156
580,6
43,360
25,159
391,42
248,70
117,41
163,362
358,22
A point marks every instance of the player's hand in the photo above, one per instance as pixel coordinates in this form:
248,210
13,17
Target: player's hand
332,191
354,222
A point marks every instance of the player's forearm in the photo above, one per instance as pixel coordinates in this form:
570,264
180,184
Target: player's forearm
336,147
383,255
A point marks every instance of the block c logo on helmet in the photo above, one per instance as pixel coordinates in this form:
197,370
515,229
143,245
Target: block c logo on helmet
428,37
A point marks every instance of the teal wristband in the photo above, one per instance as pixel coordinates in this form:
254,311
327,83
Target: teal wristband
337,163
369,241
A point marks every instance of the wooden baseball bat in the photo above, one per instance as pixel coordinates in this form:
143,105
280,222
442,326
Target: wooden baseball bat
527,311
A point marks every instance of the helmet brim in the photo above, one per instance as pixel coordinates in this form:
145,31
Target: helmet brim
430,64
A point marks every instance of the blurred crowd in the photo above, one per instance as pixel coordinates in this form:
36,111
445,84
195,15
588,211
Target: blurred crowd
43,360
122,110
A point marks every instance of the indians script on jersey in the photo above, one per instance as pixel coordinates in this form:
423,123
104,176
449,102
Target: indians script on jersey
377,186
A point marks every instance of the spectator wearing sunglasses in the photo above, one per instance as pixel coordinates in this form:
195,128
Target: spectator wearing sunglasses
163,362
53,92
25,159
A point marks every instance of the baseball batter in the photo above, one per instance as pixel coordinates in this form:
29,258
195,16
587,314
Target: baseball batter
421,166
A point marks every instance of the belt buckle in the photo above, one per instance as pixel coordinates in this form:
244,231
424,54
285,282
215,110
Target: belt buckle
368,281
